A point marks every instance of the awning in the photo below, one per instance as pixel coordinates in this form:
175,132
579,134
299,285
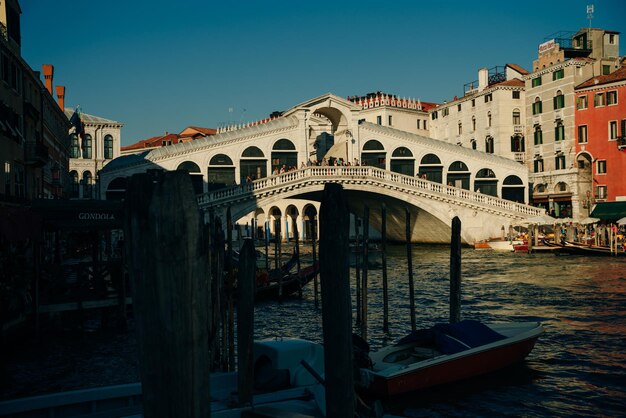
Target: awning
609,211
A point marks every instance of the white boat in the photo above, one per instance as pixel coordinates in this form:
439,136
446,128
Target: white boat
282,382
503,245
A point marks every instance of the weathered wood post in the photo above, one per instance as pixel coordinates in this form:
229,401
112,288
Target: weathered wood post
409,259
357,268
267,245
229,325
245,321
366,243
314,244
384,261
336,306
168,266
297,238
455,271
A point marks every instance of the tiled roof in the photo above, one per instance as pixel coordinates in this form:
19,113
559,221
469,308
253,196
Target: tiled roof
205,131
90,119
514,82
617,75
518,69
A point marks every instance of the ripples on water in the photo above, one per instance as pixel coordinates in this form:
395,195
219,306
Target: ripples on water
578,366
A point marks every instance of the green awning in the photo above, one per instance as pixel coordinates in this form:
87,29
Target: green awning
609,211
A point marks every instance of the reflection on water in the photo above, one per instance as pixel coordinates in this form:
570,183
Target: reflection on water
578,366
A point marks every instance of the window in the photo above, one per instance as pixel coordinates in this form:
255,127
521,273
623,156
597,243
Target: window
536,82
488,98
473,102
581,102
87,146
537,106
379,120
419,124
538,165
433,116
606,69
601,167
558,74
473,142
558,100
516,94
598,99
623,126
559,162
74,148
74,184
7,178
458,107
601,192
87,185
425,125
538,135
559,132
473,123
582,134
516,117
612,38
445,112
611,97
489,119
612,130
108,147
390,120
460,128
489,145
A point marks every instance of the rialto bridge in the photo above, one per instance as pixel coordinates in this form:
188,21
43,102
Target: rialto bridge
436,180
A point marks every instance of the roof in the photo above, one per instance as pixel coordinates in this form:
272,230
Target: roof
617,75
609,211
518,68
91,119
205,131
514,82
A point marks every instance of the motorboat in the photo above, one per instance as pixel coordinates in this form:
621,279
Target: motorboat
446,353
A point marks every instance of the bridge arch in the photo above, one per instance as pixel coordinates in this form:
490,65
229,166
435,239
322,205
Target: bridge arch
220,172
284,154
252,163
458,175
374,154
513,189
432,168
402,161
116,190
486,182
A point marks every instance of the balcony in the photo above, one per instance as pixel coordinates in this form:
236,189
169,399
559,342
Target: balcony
518,129
35,154
520,157
572,44
621,142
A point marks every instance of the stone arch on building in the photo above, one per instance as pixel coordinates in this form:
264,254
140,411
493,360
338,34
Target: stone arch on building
374,154
87,183
431,168
220,172
284,155
402,161
513,189
309,212
486,182
194,173
252,163
291,222
275,222
458,175
116,190
260,219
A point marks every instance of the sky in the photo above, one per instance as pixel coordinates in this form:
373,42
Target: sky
159,66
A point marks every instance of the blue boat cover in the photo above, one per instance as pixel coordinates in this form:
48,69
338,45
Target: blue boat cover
453,338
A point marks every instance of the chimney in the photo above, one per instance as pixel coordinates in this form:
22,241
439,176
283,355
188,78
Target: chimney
48,73
483,78
61,96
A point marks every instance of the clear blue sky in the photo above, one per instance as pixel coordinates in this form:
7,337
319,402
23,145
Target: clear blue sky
160,66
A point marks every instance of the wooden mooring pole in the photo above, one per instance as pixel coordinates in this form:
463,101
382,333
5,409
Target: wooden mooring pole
171,293
336,305
409,259
384,261
455,271
357,269
366,243
245,321
314,246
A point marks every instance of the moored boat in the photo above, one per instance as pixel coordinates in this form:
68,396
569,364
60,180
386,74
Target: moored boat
286,285
593,250
446,353
503,245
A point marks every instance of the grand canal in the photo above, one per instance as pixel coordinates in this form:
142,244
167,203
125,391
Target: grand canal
578,366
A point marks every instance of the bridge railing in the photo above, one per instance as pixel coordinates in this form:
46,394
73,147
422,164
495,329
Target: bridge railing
364,173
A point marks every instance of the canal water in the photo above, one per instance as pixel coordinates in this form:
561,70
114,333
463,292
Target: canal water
578,366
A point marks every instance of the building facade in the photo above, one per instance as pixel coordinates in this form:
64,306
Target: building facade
601,135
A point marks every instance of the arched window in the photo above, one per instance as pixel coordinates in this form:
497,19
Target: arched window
74,184
473,124
221,159
87,143
517,120
284,156
253,152
489,119
460,128
486,182
108,147
559,131
558,100
74,148
430,159
373,145
459,175
538,135
284,144
373,154
87,185
252,164
402,152
537,106
402,161
489,146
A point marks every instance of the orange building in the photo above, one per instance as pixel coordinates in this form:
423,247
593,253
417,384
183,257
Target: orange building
601,134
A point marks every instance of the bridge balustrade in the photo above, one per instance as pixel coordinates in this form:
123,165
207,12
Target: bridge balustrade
365,172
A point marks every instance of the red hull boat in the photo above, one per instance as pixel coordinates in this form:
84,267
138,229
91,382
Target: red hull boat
447,353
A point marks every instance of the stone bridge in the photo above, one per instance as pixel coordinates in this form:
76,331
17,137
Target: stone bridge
432,205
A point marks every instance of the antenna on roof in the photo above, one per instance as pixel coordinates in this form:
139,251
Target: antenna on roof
589,13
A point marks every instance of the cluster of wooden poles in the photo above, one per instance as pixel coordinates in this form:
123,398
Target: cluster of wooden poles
172,257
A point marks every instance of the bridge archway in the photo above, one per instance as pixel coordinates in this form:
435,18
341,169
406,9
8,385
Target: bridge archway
431,167
486,182
221,172
284,155
252,164
402,161
292,216
117,189
195,173
513,189
374,154
459,175
310,220
275,218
